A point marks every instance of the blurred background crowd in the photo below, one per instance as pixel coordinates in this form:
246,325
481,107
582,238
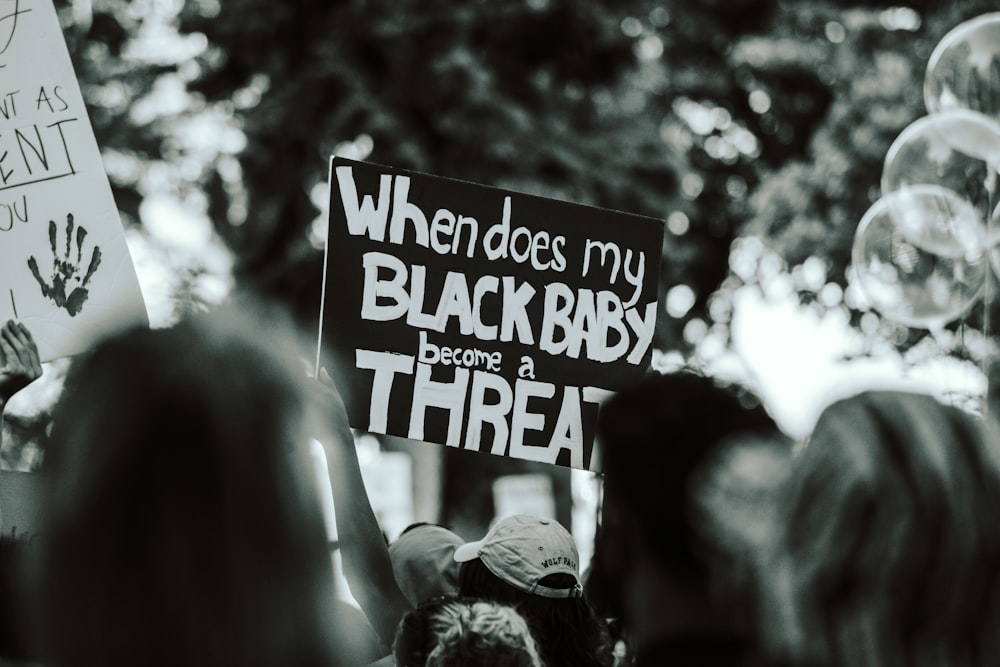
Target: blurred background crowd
720,540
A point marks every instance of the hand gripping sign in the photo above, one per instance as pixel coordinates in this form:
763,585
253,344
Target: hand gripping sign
483,318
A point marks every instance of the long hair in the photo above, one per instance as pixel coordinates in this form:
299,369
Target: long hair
183,525
888,551
567,630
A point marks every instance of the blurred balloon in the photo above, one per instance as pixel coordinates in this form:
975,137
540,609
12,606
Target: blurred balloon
919,256
957,149
964,69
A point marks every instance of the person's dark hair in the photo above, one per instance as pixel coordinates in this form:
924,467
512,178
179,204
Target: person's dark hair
566,629
888,551
671,448
655,436
183,524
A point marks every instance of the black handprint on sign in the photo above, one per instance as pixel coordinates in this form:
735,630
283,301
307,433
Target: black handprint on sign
66,272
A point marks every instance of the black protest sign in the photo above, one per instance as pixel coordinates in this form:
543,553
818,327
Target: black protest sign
482,318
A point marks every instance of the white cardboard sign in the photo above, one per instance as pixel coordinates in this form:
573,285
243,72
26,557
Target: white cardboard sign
65,270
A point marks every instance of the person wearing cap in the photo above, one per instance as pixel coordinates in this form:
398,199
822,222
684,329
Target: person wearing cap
423,562
534,565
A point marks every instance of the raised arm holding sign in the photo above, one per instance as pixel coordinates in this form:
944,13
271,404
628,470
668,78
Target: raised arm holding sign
19,363
482,318
367,566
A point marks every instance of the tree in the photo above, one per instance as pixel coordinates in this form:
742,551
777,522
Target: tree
749,117
873,61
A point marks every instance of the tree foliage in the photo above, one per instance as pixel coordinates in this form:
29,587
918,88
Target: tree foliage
754,117
760,117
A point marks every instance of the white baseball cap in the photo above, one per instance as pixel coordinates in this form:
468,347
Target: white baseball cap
521,550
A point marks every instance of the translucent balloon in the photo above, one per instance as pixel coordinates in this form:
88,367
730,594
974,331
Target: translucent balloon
957,149
919,256
964,69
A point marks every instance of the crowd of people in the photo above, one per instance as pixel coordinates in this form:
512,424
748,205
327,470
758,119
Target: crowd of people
182,525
